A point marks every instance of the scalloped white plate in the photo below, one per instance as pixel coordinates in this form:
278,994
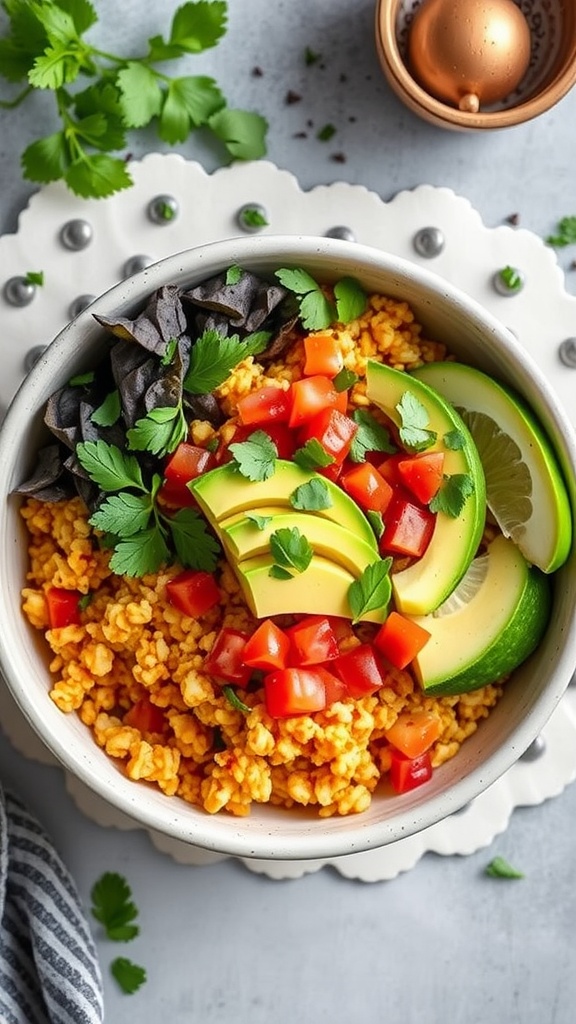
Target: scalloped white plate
542,315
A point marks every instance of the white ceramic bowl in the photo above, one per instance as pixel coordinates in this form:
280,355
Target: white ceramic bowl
529,698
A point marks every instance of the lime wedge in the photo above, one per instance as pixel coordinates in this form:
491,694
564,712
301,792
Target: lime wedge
525,489
490,624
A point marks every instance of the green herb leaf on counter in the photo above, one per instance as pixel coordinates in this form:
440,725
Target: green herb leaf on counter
312,455
130,976
372,590
312,496
213,357
371,436
256,457
311,57
452,495
325,133
291,551
113,907
566,233
500,868
44,47
414,432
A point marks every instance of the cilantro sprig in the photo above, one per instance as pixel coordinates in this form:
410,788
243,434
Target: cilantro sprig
565,233
214,356
142,536
100,96
291,551
114,908
414,420
499,867
372,589
451,497
317,310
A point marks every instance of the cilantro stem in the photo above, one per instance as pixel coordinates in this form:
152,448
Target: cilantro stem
11,104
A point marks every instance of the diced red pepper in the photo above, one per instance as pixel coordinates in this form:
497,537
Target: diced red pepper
322,355
422,474
193,592
388,467
333,429
63,607
311,395
186,463
294,691
145,716
400,639
359,670
268,647
414,732
226,659
313,641
368,488
408,528
407,773
267,404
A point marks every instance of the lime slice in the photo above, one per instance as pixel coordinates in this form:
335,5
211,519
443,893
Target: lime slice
494,619
525,489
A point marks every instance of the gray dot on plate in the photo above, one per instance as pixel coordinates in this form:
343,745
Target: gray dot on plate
508,281
341,231
32,356
79,304
536,749
567,352
429,242
252,217
163,209
19,292
76,234
135,264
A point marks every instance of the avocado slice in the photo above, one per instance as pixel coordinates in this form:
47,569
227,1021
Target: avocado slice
488,627
224,491
425,584
323,587
243,539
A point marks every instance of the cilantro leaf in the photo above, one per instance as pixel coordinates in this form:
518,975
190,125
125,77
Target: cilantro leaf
316,310
414,419
312,455
130,976
500,868
234,700
242,132
35,277
372,590
511,278
46,159
113,907
291,551
123,514
256,457
213,358
198,26
234,274
350,298
140,554
109,412
452,495
325,133
312,496
97,176
454,440
566,233
169,352
371,436
189,103
376,522
261,522
140,94
108,467
56,67
195,546
344,379
159,432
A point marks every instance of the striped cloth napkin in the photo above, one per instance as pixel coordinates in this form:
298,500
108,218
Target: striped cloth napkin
49,971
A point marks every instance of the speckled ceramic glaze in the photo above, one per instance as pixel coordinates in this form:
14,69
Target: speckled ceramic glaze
268,832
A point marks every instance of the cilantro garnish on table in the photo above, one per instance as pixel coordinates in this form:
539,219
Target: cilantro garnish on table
114,908
99,96
565,233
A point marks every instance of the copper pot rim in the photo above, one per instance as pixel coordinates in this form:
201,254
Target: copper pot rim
443,115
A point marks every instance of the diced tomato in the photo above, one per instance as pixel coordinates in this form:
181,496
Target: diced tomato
226,659
359,670
334,688
368,488
322,355
268,647
342,628
294,691
278,432
422,474
333,429
407,773
388,467
414,732
408,528
267,404
145,716
186,463
63,607
193,592
311,395
313,641
400,639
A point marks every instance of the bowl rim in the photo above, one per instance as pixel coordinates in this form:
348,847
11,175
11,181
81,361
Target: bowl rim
219,833
442,114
